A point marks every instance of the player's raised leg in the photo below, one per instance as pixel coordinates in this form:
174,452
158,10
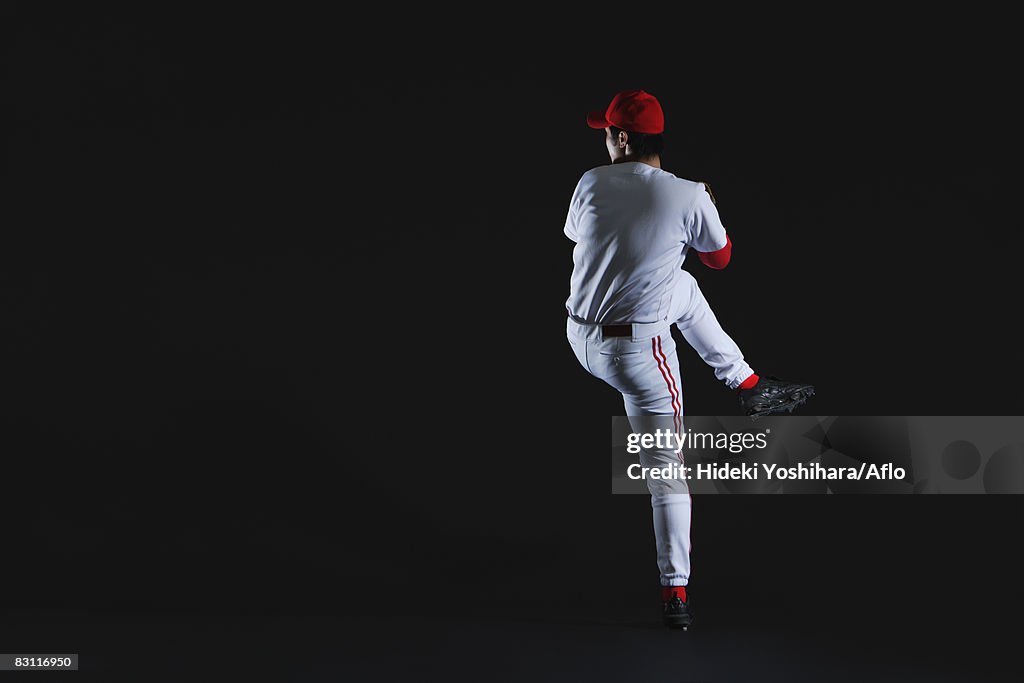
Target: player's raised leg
700,328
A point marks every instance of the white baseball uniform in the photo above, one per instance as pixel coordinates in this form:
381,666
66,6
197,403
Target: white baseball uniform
633,225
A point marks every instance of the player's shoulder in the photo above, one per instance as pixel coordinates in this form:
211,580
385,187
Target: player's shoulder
595,173
592,178
685,183
690,188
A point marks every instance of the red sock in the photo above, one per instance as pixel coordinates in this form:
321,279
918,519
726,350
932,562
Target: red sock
748,383
667,593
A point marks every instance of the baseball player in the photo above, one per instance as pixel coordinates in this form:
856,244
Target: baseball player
633,224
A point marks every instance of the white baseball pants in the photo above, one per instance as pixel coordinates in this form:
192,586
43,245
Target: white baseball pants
644,368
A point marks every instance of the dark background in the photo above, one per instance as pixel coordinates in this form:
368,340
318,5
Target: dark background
283,327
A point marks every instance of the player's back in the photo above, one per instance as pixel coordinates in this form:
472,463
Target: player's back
631,222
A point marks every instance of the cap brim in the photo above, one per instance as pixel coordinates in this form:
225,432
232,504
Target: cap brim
596,119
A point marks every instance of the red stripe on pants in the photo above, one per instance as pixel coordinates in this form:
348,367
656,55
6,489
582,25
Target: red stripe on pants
669,381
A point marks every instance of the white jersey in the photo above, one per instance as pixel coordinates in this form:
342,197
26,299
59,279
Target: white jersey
632,224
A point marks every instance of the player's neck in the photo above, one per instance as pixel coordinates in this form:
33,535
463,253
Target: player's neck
652,160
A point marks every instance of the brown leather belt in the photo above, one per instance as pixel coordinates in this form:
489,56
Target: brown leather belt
616,330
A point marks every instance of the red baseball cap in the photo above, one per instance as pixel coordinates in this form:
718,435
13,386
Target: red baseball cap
631,110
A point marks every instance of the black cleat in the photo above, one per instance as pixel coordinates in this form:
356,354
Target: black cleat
677,613
772,396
